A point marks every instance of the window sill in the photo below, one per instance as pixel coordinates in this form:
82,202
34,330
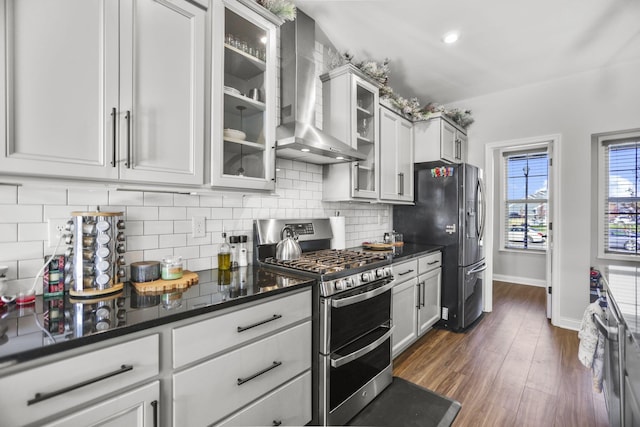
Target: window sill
524,251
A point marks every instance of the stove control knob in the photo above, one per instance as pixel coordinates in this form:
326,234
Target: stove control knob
366,277
387,271
340,285
348,281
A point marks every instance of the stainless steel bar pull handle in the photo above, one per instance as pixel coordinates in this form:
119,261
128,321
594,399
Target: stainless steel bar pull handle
357,172
39,397
401,184
114,129
271,319
336,363
406,272
127,117
274,365
609,332
154,405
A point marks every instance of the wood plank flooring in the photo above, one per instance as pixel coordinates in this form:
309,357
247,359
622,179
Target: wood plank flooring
512,369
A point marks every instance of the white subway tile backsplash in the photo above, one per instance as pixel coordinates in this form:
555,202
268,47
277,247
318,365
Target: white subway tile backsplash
158,254
172,213
20,213
33,231
233,201
30,267
252,202
222,213
21,251
205,212
299,166
42,196
158,227
8,232
189,252
143,213
158,199
211,201
138,243
184,226
186,200
172,240
199,264
126,198
8,194
89,197
134,228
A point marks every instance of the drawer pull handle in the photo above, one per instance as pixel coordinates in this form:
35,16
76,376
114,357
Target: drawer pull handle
406,272
257,374
271,319
433,262
276,423
154,405
39,397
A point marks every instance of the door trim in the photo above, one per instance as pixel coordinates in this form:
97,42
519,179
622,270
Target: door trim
553,254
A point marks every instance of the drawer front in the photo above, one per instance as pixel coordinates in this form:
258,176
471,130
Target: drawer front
405,271
206,393
84,377
276,408
205,338
430,262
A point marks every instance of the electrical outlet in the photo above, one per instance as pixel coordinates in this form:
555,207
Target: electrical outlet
56,231
198,226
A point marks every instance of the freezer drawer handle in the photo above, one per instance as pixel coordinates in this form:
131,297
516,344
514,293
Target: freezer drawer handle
271,319
274,365
336,363
609,332
337,303
483,267
39,397
154,405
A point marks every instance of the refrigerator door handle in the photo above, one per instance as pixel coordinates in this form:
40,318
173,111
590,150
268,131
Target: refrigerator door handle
483,267
483,208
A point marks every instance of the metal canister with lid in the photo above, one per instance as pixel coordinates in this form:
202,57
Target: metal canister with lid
95,253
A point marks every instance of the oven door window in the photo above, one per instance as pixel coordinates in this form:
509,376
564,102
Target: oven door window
350,377
352,321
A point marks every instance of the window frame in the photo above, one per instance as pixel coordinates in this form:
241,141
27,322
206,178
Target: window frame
504,241
603,140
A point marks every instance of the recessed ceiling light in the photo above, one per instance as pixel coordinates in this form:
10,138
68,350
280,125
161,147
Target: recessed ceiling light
451,37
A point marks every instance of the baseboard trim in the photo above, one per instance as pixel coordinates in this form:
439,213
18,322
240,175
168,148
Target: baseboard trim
520,280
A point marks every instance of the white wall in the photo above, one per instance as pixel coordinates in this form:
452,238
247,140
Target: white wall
574,107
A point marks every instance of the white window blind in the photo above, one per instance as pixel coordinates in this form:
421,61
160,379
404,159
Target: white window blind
620,204
526,199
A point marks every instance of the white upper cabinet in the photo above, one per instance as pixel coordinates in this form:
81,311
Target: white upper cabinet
350,113
244,66
396,157
103,89
439,138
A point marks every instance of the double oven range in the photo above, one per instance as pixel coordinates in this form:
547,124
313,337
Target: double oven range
352,315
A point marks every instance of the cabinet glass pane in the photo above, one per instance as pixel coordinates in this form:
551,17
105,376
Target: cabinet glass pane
244,95
366,138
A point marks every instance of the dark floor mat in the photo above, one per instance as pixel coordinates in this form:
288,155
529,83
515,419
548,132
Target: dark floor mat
405,404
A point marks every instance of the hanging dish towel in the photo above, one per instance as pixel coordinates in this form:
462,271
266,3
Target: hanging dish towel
591,348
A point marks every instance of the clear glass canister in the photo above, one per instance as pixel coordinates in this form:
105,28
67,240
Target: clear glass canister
171,268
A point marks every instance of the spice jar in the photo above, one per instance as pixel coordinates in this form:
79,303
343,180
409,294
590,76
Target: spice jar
171,268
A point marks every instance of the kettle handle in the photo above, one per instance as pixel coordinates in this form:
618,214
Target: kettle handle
289,231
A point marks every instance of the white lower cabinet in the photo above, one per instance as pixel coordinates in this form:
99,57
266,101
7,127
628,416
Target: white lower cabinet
275,408
416,299
214,389
136,408
71,383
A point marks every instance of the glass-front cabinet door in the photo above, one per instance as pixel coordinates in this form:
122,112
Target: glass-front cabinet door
243,107
350,113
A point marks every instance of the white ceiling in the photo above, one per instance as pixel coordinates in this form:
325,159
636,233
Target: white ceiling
503,43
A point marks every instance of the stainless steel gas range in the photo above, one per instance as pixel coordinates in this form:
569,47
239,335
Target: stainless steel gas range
352,315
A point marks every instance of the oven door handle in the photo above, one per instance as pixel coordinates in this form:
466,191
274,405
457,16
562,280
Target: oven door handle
343,302
610,332
336,363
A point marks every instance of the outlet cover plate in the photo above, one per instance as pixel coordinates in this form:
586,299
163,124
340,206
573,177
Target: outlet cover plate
56,228
198,226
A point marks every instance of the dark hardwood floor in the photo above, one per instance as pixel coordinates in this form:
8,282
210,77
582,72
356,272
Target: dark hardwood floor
512,369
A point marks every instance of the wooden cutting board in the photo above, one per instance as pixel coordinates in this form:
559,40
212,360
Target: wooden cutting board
165,286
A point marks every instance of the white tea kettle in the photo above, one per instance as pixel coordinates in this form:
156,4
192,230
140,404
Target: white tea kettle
288,248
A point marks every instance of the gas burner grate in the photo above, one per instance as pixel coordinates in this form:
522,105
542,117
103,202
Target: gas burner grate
329,261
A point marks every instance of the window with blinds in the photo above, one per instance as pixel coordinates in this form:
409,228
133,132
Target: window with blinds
526,199
620,204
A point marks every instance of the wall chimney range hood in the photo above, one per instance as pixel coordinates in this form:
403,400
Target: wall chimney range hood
297,137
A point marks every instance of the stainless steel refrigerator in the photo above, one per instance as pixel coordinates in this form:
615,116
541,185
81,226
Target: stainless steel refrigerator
450,211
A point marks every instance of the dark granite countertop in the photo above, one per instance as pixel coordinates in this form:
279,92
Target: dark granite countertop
72,322
623,286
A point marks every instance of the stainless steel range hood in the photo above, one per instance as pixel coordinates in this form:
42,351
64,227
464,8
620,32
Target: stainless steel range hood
297,137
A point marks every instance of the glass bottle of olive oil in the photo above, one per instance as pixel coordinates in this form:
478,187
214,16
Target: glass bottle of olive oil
224,254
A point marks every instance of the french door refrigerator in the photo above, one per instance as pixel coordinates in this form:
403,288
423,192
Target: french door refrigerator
449,210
